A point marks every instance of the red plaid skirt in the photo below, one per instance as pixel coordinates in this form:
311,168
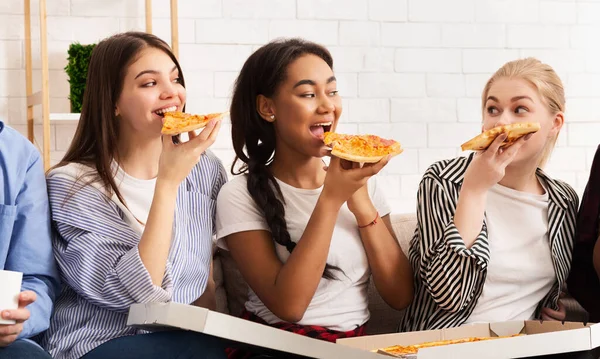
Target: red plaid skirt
313,331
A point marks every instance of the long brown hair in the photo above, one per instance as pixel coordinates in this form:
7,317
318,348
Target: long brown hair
95,143
262,74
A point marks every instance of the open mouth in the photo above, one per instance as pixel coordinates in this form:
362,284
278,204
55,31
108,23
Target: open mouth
318,129
162,111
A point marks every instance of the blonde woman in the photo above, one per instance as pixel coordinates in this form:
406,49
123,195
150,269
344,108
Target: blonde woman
495,233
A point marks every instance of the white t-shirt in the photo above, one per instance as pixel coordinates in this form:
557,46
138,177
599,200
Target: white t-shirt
138,195
339,304
520,272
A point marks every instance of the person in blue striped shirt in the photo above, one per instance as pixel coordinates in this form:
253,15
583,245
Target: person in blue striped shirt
25,244
133,210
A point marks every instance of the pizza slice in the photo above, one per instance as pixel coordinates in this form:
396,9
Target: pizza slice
408,350
180,122
361,148
514,131
399,350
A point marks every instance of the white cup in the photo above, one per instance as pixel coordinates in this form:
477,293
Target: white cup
10,288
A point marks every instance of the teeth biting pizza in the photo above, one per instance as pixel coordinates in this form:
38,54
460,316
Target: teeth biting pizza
361,148
514,131
179,122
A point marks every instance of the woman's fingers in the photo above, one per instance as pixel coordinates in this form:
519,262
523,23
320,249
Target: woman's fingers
509,153
495,146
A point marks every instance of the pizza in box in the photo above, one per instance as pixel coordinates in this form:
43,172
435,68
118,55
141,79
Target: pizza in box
410,351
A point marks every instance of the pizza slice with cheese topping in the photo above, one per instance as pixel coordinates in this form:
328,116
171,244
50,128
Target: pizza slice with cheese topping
180,122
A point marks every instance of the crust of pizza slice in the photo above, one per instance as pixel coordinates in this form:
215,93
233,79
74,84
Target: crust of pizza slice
361,148
180,122
513,131
362,159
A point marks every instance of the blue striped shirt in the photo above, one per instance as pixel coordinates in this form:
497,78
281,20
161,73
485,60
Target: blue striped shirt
96,248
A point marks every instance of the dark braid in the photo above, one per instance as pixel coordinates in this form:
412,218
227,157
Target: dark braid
254,138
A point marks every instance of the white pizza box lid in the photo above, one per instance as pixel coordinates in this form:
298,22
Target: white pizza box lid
187,317
541,338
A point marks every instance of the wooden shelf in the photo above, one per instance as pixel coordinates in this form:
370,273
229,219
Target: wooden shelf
64,117
42,97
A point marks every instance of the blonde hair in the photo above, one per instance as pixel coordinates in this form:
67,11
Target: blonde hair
544,79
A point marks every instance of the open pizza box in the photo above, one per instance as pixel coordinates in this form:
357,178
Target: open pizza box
259,337
533,338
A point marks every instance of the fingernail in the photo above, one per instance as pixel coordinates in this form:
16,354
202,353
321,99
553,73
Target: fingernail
6,314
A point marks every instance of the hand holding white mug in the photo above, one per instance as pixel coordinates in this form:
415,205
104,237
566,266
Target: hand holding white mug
10,332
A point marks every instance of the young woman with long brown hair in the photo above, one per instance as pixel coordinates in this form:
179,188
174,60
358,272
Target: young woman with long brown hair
133,211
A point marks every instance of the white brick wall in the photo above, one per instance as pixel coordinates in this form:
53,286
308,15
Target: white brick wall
408,69
445,85
473,35
388,10
326,32
441,11
256,9
402,34
363,33
227,31
507,11
333,9
428,60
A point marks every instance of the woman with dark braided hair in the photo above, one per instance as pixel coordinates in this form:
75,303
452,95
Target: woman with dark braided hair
305,237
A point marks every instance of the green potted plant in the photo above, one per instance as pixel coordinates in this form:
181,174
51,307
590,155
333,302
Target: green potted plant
76,69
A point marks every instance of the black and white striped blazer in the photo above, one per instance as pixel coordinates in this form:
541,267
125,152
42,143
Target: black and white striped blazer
449,278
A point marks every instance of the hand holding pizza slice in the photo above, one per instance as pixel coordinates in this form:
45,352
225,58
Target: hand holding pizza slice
514,131
361,148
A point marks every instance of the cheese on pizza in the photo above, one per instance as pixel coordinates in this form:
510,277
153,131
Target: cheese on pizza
399,350
179,122
361,148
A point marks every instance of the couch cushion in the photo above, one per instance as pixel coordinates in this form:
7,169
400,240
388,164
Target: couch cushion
383,318
220,295
234,284
404,227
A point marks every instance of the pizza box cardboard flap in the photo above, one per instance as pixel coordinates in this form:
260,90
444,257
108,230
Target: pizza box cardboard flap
595,335
540,338
187,317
